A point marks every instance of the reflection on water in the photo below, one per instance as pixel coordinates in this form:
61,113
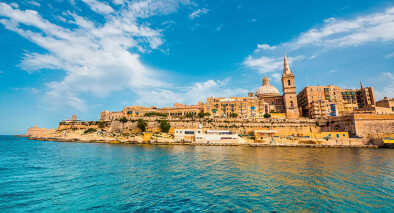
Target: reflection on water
71,177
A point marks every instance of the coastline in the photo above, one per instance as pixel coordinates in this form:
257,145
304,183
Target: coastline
249,144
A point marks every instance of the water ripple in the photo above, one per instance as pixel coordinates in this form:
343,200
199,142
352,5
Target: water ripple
74,177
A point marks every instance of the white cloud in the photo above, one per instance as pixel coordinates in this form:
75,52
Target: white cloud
265,64
265,47
118,1
352,32
339,33
276,77
198,13
190,95
99,7
34,3
96,59
386,79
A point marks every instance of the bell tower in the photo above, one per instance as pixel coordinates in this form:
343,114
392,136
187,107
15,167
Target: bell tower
289,91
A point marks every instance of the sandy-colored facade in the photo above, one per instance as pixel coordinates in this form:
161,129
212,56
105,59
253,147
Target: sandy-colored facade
266,100
325,101
386,103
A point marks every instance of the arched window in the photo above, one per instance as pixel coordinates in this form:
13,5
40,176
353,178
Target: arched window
291,104
289,82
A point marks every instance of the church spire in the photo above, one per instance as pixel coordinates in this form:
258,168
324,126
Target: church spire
361,84
286,67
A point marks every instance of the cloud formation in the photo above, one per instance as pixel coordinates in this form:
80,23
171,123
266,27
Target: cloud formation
332,34
265,64
190,94
96,58
197,13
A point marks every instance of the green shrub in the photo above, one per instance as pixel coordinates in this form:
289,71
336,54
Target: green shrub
203,114
267,115
150,114
101,124
189,115
123,120
165,126
90,130
233,115
142,124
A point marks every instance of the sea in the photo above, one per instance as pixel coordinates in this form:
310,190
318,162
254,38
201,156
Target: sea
42,176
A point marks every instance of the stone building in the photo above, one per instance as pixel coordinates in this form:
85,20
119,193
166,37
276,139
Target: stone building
266,100
289,91
386,103
244,107
325,101
129,112
385,106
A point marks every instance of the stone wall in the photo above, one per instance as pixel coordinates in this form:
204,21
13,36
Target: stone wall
240,126
363,125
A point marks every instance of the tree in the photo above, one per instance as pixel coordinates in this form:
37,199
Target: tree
233,115
142,124
165,126
202,114
90,130
123,120
267,115
189,115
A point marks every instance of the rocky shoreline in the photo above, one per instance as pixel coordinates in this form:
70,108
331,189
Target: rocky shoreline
250,144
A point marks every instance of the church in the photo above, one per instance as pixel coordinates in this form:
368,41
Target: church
266,100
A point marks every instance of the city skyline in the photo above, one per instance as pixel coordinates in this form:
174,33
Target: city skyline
85,56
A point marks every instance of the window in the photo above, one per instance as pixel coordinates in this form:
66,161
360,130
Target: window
189,132
337,135
343,135
289,82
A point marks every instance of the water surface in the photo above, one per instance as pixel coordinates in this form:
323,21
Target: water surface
40,176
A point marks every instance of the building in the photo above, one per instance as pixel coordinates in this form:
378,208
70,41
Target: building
385,106
289,91
320,101
325,101
266,100
178,110
243,107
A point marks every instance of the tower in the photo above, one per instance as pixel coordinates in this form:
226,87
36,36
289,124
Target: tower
289,91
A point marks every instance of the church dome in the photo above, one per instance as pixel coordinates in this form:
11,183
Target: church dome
267,89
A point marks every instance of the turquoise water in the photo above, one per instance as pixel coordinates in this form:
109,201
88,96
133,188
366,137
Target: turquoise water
40,176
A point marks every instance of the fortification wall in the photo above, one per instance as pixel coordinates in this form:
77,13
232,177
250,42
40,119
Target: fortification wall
363,125
282,126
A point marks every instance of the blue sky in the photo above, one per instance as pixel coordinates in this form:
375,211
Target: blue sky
63,57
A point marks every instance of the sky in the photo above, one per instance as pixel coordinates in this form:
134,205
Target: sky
65,57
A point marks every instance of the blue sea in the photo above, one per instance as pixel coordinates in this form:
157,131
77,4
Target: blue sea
39,176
